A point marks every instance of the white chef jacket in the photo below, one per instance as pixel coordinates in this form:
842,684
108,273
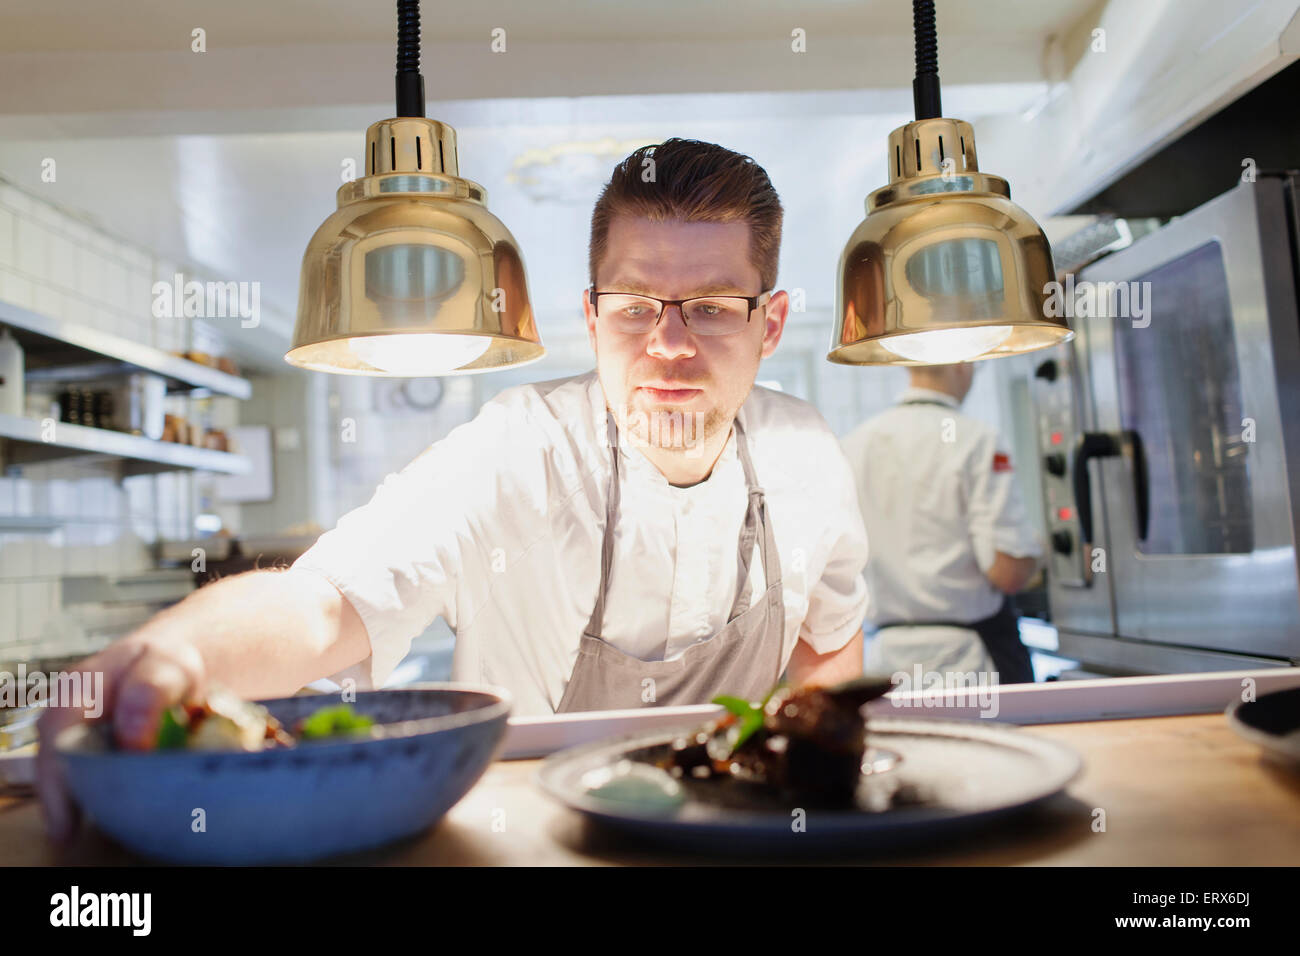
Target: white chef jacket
498,527
939,498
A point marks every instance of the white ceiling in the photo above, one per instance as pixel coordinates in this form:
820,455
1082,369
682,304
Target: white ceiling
223,164
49,25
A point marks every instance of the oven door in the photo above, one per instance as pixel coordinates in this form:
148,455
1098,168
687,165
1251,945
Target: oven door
1190,391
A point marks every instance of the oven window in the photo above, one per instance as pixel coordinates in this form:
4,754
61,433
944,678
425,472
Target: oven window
1179,388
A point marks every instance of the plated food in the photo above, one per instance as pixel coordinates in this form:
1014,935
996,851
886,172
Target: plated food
802,742
804,746
815,776
224,721
331,784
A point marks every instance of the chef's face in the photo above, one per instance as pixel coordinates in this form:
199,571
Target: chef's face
709,375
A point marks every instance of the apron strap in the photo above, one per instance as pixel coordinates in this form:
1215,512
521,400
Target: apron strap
755,518
597,619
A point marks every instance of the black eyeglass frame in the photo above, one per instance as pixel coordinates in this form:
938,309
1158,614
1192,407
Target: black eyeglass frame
593,296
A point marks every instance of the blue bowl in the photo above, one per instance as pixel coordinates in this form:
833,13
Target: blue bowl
293,805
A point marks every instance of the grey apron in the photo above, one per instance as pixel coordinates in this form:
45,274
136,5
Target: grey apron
743,659
999,632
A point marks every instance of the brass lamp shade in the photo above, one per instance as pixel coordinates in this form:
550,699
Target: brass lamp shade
412,275
945,268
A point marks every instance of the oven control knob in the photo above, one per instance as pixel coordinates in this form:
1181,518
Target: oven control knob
1055,464
1047,370
1062,542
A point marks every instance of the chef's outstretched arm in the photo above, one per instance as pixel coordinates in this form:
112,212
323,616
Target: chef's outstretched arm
348,607
261,634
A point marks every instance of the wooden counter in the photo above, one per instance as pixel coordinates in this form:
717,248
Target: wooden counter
1177,791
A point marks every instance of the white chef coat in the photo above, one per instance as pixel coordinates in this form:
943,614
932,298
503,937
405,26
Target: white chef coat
498,526
939,498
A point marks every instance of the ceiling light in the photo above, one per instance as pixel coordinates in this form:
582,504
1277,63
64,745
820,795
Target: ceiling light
412,275
945,268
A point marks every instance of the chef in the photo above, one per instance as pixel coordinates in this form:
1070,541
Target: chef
656,531
949,537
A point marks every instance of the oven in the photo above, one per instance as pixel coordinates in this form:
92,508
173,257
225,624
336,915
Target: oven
1169,442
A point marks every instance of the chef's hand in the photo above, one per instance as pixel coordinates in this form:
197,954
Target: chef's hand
142,676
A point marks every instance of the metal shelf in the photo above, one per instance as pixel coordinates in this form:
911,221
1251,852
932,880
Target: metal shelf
56,350
30,523
26,442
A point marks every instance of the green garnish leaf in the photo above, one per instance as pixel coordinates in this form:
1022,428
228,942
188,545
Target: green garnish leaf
171,732
747,727
740,708
750,717
336,721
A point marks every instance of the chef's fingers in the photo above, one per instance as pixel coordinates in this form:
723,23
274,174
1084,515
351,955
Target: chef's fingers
56,806
99,675
148,676
160,677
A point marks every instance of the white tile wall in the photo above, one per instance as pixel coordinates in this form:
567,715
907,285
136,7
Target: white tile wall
53,263
8,612
8,228
140,293
16,199
82,556
116,283
49,301
89,270
17,289
63,261
58,265
49,554
46,215
37,604
33,249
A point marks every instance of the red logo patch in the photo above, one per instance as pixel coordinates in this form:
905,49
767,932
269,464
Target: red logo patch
1001,462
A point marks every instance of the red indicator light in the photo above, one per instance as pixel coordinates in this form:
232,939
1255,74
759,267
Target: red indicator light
1065,514
1057,438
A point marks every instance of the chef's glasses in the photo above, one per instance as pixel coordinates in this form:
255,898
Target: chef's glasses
703,315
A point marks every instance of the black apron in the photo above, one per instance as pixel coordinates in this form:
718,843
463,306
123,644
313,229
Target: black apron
1000,635
999,632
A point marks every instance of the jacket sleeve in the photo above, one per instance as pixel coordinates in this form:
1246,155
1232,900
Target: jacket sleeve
995,508
420,547
838,602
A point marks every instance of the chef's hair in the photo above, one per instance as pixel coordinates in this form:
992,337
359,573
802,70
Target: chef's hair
692,181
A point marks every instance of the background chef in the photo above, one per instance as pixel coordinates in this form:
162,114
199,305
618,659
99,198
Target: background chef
584,557
950,540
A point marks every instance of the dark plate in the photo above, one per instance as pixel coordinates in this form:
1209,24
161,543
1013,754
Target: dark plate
946,775
1272,721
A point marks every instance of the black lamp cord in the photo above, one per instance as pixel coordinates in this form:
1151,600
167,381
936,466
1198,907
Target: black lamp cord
925,88
410,84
